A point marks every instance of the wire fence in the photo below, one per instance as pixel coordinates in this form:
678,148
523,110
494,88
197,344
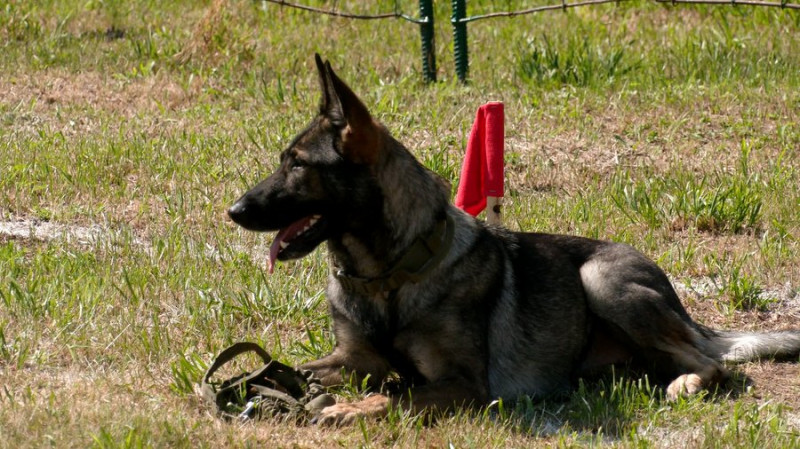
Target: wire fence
459,20
396,14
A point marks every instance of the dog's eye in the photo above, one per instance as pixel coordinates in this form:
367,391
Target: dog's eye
297,164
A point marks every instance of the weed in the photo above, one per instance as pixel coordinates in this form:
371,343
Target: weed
578,62
718,202
742,290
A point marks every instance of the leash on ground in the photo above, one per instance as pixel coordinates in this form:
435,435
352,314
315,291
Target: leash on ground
274,390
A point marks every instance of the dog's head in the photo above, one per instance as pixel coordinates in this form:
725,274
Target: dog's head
324,181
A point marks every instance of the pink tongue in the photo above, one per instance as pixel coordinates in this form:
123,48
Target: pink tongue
286,234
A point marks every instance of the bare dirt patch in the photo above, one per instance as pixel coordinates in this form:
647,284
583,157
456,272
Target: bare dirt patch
43,230
775,381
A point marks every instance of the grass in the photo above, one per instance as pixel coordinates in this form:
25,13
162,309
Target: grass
718,203
674,129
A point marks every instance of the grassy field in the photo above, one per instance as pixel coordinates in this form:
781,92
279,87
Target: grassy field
128,127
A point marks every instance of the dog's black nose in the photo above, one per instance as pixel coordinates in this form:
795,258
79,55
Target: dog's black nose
237,211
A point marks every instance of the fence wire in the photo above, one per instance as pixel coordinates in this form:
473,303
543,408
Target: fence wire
459,20
564,5
396,14
783,4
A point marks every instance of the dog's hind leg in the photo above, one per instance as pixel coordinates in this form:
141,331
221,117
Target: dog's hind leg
634,298
702,372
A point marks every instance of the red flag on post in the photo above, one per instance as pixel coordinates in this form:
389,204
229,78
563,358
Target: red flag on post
481,182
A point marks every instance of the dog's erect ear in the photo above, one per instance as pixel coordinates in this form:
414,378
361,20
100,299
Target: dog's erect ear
329,104
360,134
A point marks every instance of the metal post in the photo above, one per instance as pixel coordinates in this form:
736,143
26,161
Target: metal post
460,50
428,47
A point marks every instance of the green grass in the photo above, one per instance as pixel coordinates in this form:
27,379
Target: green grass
673,129
719,202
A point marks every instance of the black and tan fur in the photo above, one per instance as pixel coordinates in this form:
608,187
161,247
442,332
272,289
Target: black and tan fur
504,314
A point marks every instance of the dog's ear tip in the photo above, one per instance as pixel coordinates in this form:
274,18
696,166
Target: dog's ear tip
324,66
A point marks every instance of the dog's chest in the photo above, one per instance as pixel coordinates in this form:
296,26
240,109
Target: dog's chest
377,322
375,319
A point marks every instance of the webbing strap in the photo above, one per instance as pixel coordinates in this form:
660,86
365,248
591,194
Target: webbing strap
274,389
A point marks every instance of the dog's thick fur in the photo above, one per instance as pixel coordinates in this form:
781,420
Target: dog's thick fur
503,314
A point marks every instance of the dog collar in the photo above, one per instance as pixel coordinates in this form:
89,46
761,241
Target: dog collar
417,262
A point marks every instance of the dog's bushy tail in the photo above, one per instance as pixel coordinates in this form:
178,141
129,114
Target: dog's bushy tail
737,347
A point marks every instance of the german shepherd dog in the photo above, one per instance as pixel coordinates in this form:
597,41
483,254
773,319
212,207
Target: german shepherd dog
464,311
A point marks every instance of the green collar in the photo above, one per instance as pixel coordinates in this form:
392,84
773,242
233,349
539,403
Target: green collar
419,260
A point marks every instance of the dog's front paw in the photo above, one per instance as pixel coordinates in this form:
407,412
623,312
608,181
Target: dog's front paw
339,415
344,414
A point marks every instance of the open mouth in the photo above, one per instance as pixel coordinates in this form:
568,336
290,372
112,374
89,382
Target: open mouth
294,235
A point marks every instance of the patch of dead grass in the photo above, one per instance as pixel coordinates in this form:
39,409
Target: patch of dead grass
52,90
649,137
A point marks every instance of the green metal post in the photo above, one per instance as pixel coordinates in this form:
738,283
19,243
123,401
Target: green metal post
428,47
460,50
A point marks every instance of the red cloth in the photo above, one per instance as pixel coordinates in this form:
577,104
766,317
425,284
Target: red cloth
482,172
